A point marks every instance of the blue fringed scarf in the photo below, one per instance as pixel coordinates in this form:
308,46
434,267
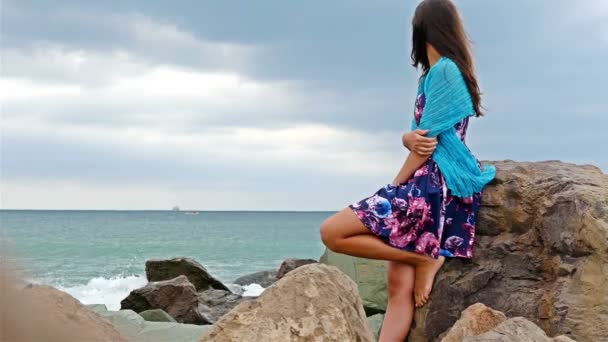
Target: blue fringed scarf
448,102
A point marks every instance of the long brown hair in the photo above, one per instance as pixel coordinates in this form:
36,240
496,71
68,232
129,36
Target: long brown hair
439,23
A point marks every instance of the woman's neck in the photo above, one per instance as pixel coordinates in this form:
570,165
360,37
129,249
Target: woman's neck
432,55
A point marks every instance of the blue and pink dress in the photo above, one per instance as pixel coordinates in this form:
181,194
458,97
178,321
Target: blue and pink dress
421,215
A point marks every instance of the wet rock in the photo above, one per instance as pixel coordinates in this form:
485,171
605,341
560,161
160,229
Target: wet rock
263,278
157,270
176,296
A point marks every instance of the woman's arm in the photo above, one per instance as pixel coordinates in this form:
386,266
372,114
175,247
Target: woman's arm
411,164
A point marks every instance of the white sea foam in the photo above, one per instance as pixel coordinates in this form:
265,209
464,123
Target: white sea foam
252,290
110,292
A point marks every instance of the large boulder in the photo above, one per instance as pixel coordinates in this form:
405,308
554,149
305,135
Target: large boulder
289,265
177,297
262,278
157,270
368,274
43,313
315,302
541,252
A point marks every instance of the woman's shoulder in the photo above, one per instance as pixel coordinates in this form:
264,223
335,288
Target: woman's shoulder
444,68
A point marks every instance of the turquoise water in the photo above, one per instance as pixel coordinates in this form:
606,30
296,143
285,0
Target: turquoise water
94,253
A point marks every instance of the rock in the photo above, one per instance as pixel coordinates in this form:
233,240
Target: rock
177,297
562,338
541,251
375,324
97,307
474,320
368,274
217,303
263,278
315,302
517,329
236,289
536,217
157,270
43,313
289,265
156,315
136,329
565,269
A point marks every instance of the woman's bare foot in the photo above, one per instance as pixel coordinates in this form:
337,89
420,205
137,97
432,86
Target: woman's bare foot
425,276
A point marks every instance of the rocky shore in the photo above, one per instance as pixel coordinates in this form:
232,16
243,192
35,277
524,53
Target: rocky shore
539,273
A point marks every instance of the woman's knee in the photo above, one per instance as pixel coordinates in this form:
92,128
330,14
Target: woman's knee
329,234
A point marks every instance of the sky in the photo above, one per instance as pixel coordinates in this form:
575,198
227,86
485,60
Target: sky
272,104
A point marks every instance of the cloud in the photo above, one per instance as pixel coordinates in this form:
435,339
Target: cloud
215,102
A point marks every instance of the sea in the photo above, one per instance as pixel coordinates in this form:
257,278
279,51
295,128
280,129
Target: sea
98,256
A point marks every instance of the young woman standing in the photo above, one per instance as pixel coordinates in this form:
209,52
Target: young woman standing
429,211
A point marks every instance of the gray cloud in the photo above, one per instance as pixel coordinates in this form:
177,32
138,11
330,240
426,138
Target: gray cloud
88,86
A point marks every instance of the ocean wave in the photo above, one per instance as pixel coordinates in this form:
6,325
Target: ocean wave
111,291
252,290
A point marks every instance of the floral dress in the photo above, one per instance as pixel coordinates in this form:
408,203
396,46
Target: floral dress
421,215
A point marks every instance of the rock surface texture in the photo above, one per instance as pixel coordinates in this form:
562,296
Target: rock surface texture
176,296
157,270
517,329
541,252
315,302
474,320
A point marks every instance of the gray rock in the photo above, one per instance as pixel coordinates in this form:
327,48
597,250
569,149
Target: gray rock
156,315
368,274
289,265
263,278
157,270
217,303
136,329
177,297
375,324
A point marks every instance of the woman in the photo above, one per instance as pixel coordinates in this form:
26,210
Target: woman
429,211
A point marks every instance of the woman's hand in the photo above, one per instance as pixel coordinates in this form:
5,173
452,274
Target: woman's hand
416,141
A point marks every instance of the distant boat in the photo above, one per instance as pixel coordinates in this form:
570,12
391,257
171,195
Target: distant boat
176,208
191,213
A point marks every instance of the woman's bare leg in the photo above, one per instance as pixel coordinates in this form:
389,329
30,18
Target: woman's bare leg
344,233
400,309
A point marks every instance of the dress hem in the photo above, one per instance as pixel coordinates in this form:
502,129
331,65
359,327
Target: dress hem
406,248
